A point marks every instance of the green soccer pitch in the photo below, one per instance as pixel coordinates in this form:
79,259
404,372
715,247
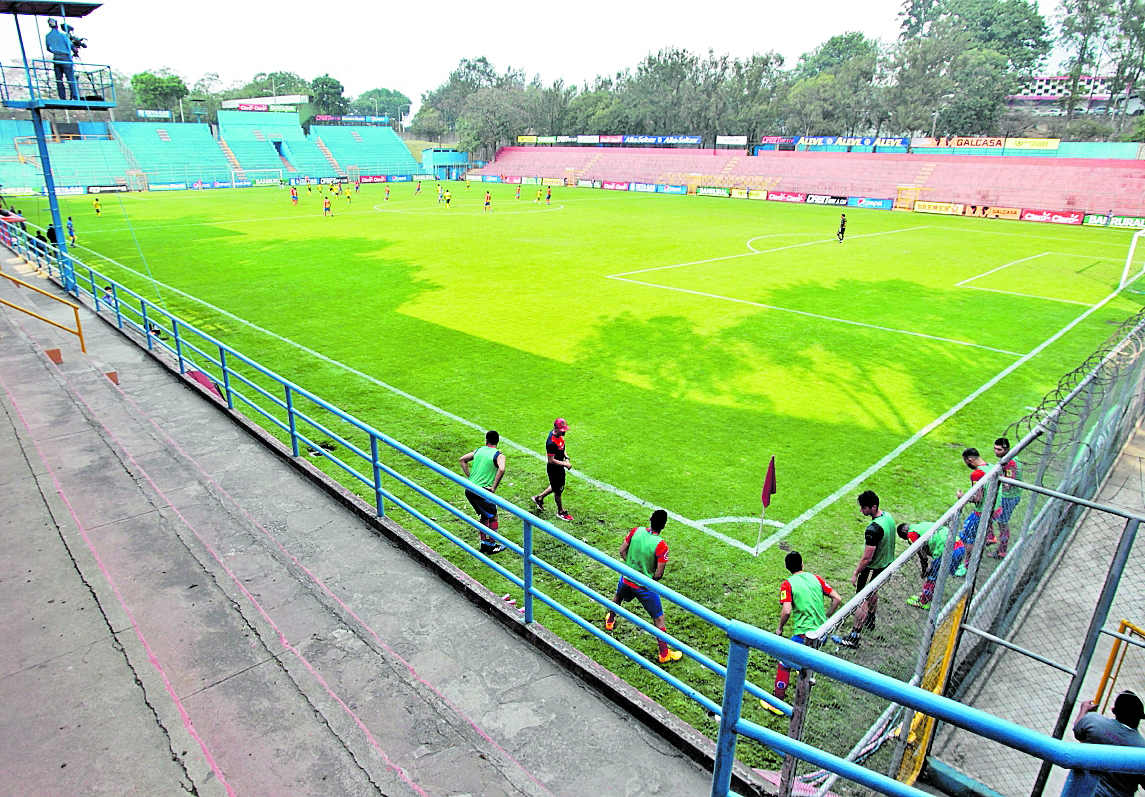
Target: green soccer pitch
685,339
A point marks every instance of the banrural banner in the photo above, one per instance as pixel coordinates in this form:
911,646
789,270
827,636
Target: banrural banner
531,181
588,184
1105,220
786,196
992,212
822,199
943,208
868,202
711,190
1053,216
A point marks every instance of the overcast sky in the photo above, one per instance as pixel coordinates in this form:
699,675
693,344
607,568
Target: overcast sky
413,48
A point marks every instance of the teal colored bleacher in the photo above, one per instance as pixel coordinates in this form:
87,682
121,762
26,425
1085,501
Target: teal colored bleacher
374,150
87,162
261,139
170,152
14,174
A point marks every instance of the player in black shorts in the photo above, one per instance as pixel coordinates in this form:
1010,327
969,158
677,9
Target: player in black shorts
878,554
557,467
842,227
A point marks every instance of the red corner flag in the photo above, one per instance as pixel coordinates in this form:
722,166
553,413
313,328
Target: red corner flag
768,485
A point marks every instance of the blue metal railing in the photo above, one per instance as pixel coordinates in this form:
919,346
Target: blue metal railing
195,350
744,638
90,84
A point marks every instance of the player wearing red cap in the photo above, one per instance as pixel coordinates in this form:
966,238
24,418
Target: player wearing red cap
557,466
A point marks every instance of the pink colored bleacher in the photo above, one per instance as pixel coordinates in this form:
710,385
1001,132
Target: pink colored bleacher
1094,186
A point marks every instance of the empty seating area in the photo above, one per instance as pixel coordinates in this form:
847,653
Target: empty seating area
1043,183
374,150
170,153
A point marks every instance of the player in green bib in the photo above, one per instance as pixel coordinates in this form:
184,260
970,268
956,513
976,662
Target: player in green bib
930,556
801,602
878,553
485,467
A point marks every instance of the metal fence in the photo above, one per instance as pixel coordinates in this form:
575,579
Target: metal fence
871,707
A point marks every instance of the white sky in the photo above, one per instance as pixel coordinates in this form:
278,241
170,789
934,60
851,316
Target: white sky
413,48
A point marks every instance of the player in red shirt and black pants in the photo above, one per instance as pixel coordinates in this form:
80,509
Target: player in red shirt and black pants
557,466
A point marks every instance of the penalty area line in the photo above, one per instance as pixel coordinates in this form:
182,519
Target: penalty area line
924,431
627,496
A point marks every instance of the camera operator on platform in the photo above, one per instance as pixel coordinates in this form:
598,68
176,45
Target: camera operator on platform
61,46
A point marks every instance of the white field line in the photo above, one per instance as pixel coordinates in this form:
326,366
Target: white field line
963,284
446,413
921,433
766,522
1033,237
816,315
1026,295
999,268
763,251
426,211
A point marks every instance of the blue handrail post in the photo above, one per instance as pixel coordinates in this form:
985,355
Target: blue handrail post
527,575
146,326
91,279
379,500
291,420
115,300
733,701
226,377
178,345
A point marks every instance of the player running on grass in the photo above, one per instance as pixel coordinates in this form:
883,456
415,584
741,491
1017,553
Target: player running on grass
557,467
485,467
518,193
387,193
98,207
326,207
293,195
645,552
418,191
488,203
801,601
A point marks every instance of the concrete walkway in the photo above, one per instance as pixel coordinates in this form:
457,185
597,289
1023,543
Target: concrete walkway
186,613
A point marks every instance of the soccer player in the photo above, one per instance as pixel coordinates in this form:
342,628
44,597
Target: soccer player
969,535
293,195
801,601
357,186
440,194
326,207
309,191
549,196
842,227
1009,498
349,195
418,191
488,468
447,196
98,207
518,193
537,200
647,553
72,231
488,203
387,192
466,183
930,557
878,553
556,467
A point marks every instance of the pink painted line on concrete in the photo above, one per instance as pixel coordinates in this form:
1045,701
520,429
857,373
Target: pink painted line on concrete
151,657
322,585
390,764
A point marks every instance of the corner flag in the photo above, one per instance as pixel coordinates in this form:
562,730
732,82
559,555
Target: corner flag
768,485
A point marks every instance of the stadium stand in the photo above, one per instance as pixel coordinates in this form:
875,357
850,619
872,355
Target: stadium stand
374,150
169,153
269,140
14,173
1052,183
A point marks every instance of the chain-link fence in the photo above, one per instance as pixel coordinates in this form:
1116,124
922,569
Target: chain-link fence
1001,617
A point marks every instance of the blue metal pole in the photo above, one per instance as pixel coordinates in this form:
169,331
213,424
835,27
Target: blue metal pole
178,345
226,377
291,420
733,701
527,559
146,326
379,499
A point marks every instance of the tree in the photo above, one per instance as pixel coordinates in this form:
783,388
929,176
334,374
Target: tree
549,108
1127,50
923,78
384,102
983,82
1085,26
1013,28
158,91
597,109
811,104
491,116
429,124
326,93
835,52
758,86
470,77
663,95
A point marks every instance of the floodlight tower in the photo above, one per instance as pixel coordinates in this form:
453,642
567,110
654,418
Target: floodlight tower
85,86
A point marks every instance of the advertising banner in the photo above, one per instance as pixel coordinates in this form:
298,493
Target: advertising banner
353,119
372,178
107,189
739,193
504,179
611,139
1053,216
21,191
851,141
641,139
546,139
249,106
962,142
265,181
943,208
732,141
712,190
526,139
552,181
167,187
586,184
1124,222
153,114
320,117
694,141
280,108
868,202
531,180
332,180
757,194
777,140
566,139
248,183
672,189
400,178
992,212
65,190
588,139
610,185
647,188
786,196
823,199
219,183
1032,143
